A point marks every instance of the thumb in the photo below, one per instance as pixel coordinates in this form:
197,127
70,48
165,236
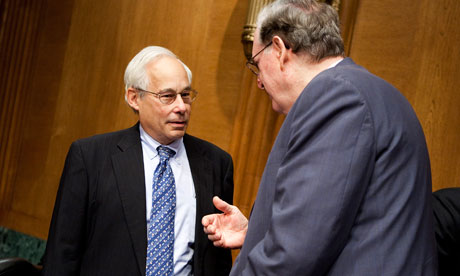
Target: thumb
222,205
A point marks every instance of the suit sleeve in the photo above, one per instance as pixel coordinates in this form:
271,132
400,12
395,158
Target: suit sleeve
66,239
320,182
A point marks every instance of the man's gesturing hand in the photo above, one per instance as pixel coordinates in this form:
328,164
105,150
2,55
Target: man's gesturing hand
226,230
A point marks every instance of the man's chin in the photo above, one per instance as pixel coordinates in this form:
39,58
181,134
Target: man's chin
277,108
178,133
172,136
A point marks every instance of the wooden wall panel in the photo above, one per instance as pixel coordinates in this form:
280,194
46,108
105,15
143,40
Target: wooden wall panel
255,130
414,45
18,40
44,39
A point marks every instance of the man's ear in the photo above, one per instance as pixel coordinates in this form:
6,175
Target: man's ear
283,53
132,98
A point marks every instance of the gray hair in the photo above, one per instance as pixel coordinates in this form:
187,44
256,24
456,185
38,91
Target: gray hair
135,74
304,26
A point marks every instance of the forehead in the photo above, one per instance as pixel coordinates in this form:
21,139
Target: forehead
167,72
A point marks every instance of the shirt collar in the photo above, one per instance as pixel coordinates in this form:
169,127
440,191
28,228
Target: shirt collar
335,63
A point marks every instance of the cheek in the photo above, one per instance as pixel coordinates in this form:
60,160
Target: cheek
267,84
161,112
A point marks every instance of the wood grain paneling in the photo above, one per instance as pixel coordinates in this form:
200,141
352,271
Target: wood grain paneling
77,84
62,79
27,195
255,130
18,36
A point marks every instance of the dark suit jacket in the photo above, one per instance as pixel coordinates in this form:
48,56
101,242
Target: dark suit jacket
347,186
99,220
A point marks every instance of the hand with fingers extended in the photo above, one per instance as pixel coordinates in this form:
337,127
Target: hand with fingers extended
227,229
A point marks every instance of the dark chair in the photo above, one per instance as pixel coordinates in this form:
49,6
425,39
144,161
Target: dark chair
446,210
18,267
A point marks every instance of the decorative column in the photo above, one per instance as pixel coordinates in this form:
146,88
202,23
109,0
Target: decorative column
247,38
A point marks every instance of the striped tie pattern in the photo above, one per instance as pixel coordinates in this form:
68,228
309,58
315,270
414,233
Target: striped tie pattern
160,234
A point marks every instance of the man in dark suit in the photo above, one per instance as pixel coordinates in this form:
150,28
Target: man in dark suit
109,202
346,188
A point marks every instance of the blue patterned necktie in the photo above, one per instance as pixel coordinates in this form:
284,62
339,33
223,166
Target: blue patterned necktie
160,234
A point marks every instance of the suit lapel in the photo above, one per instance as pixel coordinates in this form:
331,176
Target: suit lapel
128,167
201,174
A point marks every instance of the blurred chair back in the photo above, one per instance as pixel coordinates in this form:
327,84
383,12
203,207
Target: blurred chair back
18,267
446,209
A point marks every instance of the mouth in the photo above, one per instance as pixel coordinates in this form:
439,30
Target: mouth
178,124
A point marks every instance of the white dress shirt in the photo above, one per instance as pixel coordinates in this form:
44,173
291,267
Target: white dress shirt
184,221
335,63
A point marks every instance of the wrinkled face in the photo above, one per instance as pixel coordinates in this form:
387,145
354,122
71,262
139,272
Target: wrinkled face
165,123
269,77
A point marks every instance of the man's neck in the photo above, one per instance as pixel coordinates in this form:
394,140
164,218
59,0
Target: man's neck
308,70
304,72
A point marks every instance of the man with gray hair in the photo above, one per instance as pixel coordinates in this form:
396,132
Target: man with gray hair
346,188
130,202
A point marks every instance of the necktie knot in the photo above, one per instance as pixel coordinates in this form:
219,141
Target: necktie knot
165,153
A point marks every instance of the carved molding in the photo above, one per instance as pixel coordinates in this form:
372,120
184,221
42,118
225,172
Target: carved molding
247,38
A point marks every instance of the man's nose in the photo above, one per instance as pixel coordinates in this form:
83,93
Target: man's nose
179,104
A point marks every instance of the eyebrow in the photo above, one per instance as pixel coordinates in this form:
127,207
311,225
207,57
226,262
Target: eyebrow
189,87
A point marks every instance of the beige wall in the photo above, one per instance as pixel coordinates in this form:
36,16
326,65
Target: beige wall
64,81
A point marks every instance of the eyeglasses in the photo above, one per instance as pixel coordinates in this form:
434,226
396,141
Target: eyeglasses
168,96
252,65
